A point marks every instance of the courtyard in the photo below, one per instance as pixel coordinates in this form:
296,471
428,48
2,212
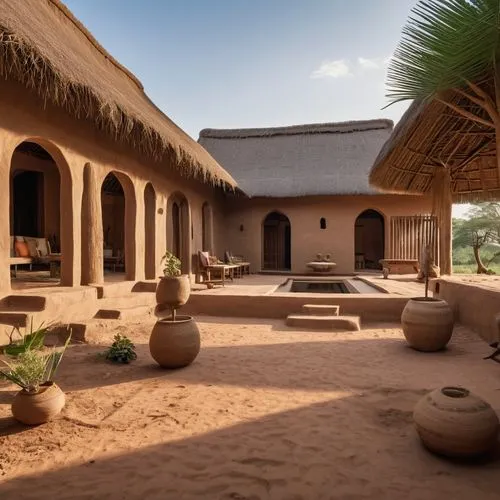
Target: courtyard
264,412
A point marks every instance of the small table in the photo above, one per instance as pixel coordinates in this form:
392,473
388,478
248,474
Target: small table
112,262
244,267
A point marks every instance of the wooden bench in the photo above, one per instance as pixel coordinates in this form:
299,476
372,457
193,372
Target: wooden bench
399,266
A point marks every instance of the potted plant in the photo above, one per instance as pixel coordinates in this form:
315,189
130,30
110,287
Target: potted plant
173,288
33,370
175,340
427,322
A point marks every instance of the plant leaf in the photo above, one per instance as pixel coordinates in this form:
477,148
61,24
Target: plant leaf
444,45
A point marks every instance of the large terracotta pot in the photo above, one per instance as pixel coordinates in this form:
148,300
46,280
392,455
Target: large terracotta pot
454,422
174,344
40,407
427,323
173,291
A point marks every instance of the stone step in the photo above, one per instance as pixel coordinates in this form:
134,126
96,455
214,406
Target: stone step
124,288
125,312
131,300
351,323
21,319
321,309
22,303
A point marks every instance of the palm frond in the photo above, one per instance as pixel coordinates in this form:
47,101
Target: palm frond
444,44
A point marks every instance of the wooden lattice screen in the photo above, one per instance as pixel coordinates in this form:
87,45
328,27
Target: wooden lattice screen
410,233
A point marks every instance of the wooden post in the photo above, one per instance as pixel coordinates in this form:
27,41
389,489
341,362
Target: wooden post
441,207
92,255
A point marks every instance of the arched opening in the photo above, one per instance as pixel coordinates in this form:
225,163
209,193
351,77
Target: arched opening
369,237
35,217
150,231
277,254
179,230
207,228
113,224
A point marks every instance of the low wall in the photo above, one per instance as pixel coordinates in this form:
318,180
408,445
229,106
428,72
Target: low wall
473,305
369,307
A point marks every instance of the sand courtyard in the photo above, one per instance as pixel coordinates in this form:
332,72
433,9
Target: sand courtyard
265,412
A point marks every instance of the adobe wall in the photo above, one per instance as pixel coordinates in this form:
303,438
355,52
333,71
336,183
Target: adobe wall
74,144
307,238
473,304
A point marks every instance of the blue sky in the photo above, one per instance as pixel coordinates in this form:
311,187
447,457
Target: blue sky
254,63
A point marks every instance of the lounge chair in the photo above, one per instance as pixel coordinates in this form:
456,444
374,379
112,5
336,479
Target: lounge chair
237,260
28,250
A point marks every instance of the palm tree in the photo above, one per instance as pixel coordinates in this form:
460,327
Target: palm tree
451,45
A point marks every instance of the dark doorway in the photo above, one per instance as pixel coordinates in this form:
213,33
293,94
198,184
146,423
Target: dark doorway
176,230
369,237
277,238
113,223
28,203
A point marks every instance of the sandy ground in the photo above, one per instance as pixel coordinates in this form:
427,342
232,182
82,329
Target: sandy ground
265,412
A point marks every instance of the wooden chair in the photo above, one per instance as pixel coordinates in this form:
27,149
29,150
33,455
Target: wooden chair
213,272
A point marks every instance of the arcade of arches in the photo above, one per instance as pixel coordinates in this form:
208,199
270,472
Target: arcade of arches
126,223
119,219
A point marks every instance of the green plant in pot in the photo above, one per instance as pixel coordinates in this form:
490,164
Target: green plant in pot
173,288
175,339
33,370
427,322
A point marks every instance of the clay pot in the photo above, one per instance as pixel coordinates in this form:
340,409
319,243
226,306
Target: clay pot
40,407
427,323
173,291
454,422
174,344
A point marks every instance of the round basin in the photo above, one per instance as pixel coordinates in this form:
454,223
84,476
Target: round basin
322,267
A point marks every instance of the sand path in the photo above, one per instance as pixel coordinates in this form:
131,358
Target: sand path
265,412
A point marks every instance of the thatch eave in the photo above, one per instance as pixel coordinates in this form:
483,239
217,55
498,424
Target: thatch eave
429,135
46,49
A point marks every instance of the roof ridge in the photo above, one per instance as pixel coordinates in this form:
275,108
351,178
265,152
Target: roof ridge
312,128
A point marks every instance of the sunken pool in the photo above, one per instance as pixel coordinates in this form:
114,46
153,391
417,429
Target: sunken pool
337,285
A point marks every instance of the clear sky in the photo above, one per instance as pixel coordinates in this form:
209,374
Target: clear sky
254,63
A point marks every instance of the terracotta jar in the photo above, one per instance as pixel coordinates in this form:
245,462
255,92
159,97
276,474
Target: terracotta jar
173,291
427,323
174,344
40,407
454,422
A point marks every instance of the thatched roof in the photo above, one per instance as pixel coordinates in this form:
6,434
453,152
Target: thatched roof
302,160
431,134
43,46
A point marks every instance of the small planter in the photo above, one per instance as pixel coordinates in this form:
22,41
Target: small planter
427,323
173,291
175,344
40,407
454,422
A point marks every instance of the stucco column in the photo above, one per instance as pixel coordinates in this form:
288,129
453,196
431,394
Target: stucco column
92,231
441,207
71,209
134,233
7,142
161,231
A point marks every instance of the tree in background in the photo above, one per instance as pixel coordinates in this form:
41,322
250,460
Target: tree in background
481,228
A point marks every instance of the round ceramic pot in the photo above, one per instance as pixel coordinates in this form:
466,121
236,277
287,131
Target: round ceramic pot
174,344
173,291
454,422
427,323
40,407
